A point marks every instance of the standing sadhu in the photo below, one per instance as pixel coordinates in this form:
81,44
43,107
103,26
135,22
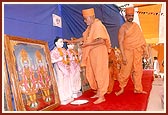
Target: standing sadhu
133,46
95,48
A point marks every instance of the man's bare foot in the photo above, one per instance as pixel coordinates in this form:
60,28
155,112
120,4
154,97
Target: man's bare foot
109,92
95,96
95,91
144,92
99,100
119,92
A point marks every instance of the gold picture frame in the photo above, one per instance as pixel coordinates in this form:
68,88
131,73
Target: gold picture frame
30,74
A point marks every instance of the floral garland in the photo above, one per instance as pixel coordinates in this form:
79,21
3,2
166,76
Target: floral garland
75,55
65,61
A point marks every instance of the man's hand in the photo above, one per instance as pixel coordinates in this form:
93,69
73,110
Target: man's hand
145,51
124,60
84,45
65,40
145,55
68,41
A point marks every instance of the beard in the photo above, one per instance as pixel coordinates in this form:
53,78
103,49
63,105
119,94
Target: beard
130,19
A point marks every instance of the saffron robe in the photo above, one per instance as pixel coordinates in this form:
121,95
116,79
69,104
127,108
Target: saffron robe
95,57
132,45
113,69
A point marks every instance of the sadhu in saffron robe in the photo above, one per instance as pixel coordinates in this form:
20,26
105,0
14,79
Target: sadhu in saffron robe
132,45
95,57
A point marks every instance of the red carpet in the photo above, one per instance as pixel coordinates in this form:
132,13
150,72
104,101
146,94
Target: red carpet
128,101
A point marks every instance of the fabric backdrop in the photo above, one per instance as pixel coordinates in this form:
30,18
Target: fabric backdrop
35,20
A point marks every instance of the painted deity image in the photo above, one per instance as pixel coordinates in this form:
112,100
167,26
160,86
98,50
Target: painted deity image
28,82
44,80
35,81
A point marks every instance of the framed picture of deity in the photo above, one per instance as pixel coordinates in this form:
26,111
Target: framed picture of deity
29,75
7,94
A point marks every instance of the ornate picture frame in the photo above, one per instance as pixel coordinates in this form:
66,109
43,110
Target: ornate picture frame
30,75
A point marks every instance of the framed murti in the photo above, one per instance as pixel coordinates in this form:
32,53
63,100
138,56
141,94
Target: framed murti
8,103
30,84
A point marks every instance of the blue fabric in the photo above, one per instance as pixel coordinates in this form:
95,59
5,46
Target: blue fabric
31,21
73,24
35,20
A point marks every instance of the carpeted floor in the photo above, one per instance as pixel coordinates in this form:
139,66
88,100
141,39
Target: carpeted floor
128,101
